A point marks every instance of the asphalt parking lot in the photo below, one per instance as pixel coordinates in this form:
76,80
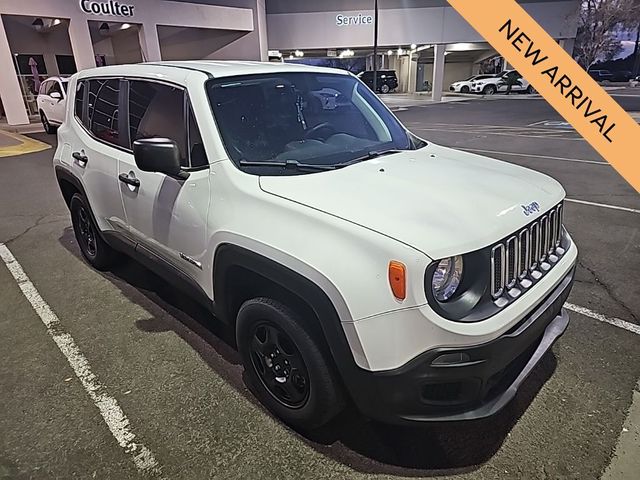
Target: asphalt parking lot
179,382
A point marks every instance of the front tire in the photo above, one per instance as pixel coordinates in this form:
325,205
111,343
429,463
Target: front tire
286,366
94,249
385,88
48,128
530,90
465,89
489,90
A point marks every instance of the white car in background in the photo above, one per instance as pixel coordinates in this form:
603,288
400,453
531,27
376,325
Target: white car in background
464,86
52,100
499,83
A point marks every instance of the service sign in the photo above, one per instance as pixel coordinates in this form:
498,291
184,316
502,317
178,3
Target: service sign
353,20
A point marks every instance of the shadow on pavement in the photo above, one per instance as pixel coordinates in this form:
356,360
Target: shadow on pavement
370,447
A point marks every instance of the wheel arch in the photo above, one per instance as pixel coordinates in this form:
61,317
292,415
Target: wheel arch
240,274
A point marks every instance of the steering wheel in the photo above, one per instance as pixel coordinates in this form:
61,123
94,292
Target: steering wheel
315,129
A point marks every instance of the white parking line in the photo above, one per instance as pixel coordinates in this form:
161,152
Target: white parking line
616,322
564,159
111,412
603,205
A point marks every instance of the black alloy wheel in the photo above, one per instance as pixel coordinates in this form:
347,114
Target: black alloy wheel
287,364
279,365
87,233
93,247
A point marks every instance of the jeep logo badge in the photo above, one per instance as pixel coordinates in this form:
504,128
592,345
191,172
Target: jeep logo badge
533,207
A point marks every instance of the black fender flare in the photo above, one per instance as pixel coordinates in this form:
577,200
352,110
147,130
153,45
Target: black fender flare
228,256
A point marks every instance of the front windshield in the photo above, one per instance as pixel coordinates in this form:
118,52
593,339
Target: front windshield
309,118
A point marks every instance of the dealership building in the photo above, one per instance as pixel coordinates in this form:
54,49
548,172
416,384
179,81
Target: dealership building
425,41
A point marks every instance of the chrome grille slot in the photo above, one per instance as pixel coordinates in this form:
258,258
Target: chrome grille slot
544,238
559,215
497,270
516,263
553,228
511,258
534,251
523,247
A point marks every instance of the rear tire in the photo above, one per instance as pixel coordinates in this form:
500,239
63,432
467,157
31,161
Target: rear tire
530,90
285,365
48,128
489,90
94,249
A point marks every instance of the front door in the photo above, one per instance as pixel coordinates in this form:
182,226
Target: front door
166,216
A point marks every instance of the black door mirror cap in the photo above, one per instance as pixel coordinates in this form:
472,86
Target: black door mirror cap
158,154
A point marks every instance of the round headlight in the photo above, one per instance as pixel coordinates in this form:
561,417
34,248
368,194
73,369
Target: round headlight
446,278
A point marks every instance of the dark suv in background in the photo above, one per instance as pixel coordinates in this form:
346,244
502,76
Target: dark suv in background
387,80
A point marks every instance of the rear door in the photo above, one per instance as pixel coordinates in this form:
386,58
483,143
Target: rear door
167,216
93,143
43,100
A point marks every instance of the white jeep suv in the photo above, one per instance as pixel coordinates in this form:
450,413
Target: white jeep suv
353,260
52,104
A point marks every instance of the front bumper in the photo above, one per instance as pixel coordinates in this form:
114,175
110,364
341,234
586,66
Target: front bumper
464,383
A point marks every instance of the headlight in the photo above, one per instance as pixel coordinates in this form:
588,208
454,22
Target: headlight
446,278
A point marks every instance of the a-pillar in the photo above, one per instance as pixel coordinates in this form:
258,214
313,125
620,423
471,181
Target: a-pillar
10,91
149,43
81,44
438,72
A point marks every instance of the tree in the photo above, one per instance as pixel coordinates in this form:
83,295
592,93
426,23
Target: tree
599,23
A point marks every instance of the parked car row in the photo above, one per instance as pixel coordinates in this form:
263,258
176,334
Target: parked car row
607,76
490,84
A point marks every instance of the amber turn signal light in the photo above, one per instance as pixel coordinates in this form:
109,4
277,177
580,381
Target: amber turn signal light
397,279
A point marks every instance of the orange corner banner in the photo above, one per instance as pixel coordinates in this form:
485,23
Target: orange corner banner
560,80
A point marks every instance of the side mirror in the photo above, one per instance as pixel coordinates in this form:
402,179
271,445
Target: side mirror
158,154
56,95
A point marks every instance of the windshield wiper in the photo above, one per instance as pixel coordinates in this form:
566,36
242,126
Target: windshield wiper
294,164
369,156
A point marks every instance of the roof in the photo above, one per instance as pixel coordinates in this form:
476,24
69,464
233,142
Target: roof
215,68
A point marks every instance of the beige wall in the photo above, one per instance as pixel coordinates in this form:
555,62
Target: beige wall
452,73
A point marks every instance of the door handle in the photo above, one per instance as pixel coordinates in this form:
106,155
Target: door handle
80,157
125,178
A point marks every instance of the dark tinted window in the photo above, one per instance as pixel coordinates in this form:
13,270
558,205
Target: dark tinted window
103,110
157,110
55,87
79,99
197,154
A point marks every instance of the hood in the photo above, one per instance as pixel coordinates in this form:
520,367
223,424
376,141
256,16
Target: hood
438,200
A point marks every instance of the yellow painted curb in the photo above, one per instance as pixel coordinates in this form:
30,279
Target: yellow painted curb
26,145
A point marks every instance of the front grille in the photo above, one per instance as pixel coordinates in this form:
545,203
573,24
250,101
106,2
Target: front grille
525,256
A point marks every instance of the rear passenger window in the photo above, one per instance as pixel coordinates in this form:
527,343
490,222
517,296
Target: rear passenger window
79,104
158,110
102,110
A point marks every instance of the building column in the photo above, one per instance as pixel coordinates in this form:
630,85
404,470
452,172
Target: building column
149,43
568,44
438,72
413,73
261,12
10,92
81,44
